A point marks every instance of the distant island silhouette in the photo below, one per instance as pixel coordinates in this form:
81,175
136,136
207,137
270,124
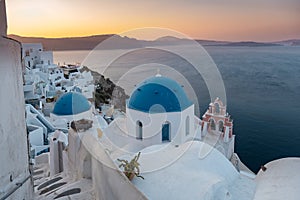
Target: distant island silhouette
123,42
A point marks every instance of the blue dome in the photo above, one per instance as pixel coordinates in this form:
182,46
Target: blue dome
71,103
159,94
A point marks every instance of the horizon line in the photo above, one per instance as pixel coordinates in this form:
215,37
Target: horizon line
111,34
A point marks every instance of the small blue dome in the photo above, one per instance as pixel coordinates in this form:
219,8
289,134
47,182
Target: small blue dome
159,94
71,103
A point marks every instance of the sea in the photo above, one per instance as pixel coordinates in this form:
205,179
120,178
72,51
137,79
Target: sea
262,86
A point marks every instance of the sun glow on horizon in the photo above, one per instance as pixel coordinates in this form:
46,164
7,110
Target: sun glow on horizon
259,20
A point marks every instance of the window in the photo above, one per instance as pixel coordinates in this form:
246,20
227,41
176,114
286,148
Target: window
165,132
139,130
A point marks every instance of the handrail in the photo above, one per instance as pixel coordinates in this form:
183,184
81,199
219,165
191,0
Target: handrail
18,185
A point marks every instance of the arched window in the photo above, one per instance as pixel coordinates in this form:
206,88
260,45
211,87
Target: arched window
139,130
221,126
187,125
212,124
217,108
165,132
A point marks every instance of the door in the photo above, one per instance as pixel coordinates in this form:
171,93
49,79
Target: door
139,130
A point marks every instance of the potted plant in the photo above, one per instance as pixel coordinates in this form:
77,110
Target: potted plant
131,168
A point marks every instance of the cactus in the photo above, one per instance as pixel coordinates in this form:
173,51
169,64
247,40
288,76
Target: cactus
131,168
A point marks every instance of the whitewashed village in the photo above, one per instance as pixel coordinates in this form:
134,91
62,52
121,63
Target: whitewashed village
56,144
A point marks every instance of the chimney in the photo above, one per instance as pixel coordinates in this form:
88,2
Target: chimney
3,22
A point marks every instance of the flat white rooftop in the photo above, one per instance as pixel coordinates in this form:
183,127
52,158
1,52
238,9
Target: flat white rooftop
281,180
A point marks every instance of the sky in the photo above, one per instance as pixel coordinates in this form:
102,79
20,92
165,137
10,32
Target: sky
230,20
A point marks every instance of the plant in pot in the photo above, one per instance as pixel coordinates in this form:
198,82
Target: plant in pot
131,168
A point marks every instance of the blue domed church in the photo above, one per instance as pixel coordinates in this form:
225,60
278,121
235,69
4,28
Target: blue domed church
71,103
70,106
159,111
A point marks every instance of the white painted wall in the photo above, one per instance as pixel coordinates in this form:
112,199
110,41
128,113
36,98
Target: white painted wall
60,121
281,180
46,57
35,48
14,165
87,158
31,54
152,125
36,135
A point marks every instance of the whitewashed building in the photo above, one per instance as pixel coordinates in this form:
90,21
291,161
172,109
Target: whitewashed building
70,106
159,111
15,173
43,78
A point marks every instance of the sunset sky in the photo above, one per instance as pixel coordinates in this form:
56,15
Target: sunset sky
235,20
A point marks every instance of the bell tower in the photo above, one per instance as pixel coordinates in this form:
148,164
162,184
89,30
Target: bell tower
218,126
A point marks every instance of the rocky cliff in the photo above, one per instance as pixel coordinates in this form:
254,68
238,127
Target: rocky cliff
106,92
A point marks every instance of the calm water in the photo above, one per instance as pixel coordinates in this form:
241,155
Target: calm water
262,87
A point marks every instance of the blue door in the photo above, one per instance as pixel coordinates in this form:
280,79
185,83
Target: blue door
166,132
139,130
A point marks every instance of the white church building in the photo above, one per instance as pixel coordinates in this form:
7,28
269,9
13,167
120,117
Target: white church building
159,111
70,106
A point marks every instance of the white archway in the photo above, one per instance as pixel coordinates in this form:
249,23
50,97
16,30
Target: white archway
220,125
212,124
